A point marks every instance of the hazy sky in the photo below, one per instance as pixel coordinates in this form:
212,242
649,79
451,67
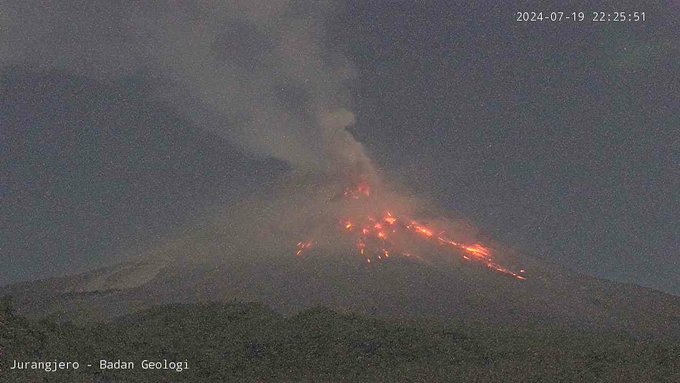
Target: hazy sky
559,139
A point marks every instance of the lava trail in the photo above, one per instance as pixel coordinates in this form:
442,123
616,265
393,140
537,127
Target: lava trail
377,238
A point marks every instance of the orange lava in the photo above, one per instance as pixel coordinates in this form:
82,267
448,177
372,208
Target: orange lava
302,247
373,242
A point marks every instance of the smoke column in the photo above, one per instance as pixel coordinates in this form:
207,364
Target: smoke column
263,74
257,72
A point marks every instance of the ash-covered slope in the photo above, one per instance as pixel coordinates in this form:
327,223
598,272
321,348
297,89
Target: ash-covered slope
398,288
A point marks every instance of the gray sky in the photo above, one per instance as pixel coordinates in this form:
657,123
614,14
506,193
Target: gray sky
122,124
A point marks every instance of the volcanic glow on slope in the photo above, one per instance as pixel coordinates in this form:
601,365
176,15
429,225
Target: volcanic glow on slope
302,247
377,239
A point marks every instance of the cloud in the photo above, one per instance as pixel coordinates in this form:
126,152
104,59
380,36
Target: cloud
260,73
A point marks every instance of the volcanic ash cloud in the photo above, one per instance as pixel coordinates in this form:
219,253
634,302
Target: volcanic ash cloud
261,73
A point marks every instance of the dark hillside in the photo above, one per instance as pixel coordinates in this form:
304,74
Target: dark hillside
252,343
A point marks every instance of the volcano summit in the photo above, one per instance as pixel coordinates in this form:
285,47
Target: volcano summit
352,258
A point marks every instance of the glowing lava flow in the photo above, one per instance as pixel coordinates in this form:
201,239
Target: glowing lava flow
361,190
302,247
375,238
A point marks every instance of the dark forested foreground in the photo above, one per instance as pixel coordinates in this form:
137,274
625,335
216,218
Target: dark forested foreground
251,343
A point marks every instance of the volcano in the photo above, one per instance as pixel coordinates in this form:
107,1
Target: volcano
355,249
381,234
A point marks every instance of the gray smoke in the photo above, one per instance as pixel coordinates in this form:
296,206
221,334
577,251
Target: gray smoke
257,72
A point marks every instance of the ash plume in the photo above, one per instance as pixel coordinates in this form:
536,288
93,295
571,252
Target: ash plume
260,73
264,75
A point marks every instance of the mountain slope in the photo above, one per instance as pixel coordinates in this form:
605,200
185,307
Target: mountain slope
396,289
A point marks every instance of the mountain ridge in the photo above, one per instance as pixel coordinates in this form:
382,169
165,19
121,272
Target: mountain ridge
399,288
240,341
